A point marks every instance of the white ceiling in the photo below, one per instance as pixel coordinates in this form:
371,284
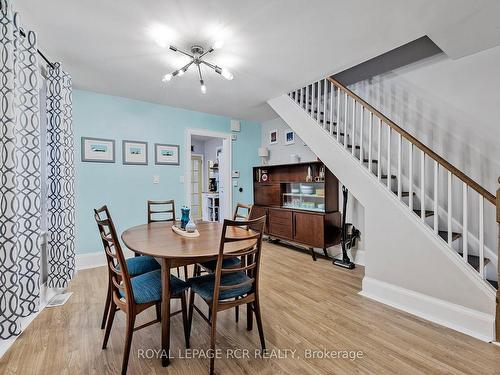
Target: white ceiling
271,46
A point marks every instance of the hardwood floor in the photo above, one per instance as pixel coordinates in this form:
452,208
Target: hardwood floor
330,316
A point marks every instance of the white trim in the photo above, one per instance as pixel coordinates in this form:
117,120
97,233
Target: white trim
459,318
227,150
95,259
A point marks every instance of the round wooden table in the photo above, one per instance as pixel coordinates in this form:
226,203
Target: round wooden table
173,250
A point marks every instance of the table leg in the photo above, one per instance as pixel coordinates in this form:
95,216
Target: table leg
165,312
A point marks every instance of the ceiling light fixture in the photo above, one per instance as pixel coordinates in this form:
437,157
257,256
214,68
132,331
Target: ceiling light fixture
196,56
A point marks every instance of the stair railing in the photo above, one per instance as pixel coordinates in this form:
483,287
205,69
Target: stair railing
497,321
328,102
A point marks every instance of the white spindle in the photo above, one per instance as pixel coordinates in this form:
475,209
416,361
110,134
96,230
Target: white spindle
481,236
362,120
312,99
422,185
410,175
353,133
325,101
436,197
301,101
450,208
338,114
306,99
370,146
389,179
318,101
346,102
331,108
379,149
400,145
465,230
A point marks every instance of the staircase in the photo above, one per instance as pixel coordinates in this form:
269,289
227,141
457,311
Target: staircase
448,204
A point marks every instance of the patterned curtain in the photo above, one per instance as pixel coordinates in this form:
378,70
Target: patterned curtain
19,174
61,176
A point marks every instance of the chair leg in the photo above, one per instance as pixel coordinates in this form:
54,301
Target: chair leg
111,317
185,322
128,341
258,318
158,311
178,272
237,312
213,332
249,317
186,276
106,307
190,313
313,254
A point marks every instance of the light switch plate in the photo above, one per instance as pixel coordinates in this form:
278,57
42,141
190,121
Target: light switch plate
235,125
156,179
235,183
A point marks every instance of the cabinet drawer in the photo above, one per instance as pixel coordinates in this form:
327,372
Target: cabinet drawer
280,230
280,217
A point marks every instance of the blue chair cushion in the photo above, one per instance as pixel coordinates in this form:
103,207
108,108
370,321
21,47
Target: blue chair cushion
139,265
226,263
204,285
147,287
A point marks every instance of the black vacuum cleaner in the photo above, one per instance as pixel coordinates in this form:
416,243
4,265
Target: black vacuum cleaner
349,235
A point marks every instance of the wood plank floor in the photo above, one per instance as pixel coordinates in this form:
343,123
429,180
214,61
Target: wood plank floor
315,309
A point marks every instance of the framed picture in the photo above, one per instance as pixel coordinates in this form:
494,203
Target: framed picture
135,152
98,150
273,137
166,154
289,137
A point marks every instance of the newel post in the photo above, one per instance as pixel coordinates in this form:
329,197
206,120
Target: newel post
497,320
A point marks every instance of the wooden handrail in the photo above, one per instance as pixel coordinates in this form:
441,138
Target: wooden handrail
450,167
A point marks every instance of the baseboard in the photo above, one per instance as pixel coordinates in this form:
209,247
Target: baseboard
95,259
459,318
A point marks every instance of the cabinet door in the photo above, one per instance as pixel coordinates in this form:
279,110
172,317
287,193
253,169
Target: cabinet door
308,229
267,194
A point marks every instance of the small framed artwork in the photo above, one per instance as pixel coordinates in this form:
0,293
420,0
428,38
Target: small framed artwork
98,150
166,154
273,137
289,137
135,152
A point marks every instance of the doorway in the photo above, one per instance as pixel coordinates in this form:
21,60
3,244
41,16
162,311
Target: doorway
209,191
196,185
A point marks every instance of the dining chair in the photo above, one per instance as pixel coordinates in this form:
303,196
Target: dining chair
230,262
133,295
164,211
230,287
135,266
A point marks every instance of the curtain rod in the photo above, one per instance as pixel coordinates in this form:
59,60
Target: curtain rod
23,34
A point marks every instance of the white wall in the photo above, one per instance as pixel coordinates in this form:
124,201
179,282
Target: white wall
280,154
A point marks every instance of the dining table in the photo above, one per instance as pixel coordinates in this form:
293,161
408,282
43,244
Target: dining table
173,250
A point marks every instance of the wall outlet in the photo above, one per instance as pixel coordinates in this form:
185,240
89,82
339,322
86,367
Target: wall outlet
235,183
156,179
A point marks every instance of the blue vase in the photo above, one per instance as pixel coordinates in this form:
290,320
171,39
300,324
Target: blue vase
184,217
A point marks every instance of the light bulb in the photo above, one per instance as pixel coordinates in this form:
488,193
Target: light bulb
203,89
227,74
181,72
167,77
218,44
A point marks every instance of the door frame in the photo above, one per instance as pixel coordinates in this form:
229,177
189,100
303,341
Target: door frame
228,167
202,180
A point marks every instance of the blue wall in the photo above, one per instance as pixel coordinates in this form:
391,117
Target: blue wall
126,188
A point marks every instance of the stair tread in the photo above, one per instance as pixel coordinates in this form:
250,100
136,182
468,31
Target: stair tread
342,134
384,176
427,213
403,193
356,147
373,161
473,260
454,235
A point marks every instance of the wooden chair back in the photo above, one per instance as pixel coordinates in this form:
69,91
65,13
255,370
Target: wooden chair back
161,211
250,257
238,215
115,260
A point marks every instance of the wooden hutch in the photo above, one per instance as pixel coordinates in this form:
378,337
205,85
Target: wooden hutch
301,202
